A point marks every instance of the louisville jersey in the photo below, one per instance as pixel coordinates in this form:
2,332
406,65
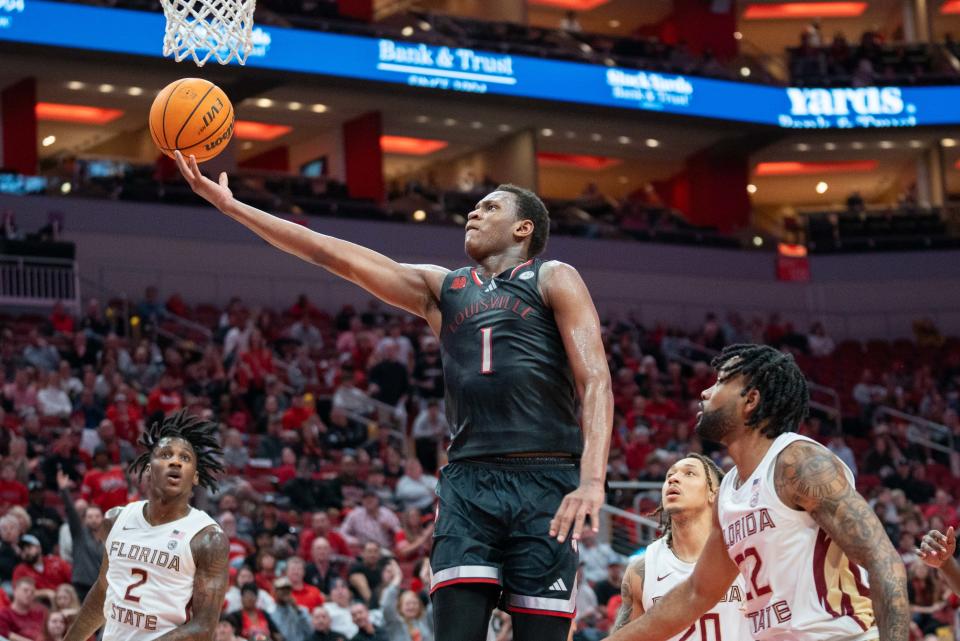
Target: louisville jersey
150,574
723,622
509,386
800,585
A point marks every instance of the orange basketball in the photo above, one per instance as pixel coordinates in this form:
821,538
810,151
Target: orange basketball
194,116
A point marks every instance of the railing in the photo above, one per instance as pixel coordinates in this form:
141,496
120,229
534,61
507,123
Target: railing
625,531
39,281
921,431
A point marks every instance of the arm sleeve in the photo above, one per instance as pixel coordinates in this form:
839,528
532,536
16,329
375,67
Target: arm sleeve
73,519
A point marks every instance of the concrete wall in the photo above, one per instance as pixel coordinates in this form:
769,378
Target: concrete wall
200,253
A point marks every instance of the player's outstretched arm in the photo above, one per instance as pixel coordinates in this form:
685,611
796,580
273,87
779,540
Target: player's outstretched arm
566,294
89,618
631,593
210,549
683,605
414,288
937,550
809,477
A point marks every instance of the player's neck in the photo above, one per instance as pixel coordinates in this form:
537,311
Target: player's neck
689,535
496,264
748,450
158,510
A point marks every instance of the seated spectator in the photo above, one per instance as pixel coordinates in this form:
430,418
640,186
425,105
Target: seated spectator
596,557
415,538
366,574
235,453
252,621
40,353
10,530
12,491
52,400
226,630
233,599
21,394
429,429
843,452
371,523
291,619
60,320
321,626
306,333
46,520
320,526
67,600
819,343
404,616
416,489
240,547
306,595
47,572
23,619
55,629
366,630
609,586
338,607
322,569
105,485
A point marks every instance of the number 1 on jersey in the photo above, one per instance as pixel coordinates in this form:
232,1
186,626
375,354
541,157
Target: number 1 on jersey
486,350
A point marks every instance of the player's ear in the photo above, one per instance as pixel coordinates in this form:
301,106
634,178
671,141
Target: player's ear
750,402
196,477
523,228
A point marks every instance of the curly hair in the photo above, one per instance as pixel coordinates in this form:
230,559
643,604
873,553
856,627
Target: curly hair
784,395
200,434
714,476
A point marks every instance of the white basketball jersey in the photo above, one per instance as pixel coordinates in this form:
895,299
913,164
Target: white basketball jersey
150,576
723,622
800,585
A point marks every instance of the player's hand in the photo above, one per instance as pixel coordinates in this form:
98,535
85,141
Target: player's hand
576,506
217,194
937,548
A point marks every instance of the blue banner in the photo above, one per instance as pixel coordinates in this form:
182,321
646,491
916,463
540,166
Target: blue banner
473,71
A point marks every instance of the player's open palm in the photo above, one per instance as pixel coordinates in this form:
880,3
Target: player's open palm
936,548
575,508
217,194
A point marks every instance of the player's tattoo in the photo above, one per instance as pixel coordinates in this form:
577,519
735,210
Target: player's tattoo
635,573
809,477
90,617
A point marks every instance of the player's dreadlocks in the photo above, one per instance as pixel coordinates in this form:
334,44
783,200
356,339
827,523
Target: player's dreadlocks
199,433
783,389
714,476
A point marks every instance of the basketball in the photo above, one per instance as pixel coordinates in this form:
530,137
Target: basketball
194,116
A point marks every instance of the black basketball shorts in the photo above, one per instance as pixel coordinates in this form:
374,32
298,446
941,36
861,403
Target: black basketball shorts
493,526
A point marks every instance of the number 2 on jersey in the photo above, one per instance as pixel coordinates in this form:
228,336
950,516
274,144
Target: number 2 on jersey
486,350
129,595
758,590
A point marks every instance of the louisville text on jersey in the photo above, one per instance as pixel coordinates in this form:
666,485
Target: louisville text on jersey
505,301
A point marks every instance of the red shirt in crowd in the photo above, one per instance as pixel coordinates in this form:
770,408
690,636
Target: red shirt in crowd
294,417
337,543
55,571
307,596
239,549
29,624
61,322
13,493
105,488
126,422
166,401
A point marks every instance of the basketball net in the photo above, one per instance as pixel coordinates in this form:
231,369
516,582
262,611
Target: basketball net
204,28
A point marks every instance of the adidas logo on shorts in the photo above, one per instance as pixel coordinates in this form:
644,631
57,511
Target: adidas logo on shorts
559,586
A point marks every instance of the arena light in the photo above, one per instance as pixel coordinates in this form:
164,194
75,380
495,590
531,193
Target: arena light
804,10
82,114
250,130
591,163
576,5
950,7
793,168
409,146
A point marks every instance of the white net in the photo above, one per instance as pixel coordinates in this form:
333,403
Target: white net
203,28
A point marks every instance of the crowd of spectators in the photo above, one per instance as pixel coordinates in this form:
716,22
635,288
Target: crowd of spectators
869,62
333,432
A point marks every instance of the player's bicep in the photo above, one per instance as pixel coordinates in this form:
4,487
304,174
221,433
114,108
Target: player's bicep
631,593
810,477
573,309
211,555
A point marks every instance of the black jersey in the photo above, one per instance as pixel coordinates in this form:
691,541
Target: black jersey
509,387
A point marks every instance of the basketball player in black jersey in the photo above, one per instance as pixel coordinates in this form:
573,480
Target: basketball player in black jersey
520,338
